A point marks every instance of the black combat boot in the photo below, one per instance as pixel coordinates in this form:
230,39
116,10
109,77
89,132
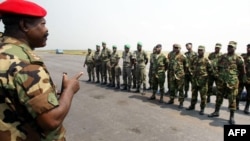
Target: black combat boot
215,113
231,118
161,98
129,88
137,89
124,87
152,97
246,110
117,86
191,107
201,111
171,101
180,105
208,99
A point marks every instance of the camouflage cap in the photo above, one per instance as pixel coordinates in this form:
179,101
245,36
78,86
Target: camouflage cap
89,49
177,45
233,44
218,45
201,47
114,46
139,44
127,46
97,46
103,43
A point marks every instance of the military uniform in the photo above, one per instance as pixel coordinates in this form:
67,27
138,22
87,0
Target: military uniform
213,57
169,56
177,65
141,62
229,67
118,72
89,61
188,77
98,63
200,68
160,64
105,57
113,61
127,64
244,81
150,75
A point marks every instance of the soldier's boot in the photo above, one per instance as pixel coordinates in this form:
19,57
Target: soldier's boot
186,94
237,103
171,101
137,89
113,85
143,90
161,98
208,99
246,110
180,105
231,118
129,88
152,97
105,81
94,79
201,111
124,87
216,113
117,86
191,107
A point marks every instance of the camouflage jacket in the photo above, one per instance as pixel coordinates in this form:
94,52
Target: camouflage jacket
228,68
141,58
190,56
105,54
89,60
97,58
127,57
213,57
177,65
151,61
160,63
26,90
114,58
246,58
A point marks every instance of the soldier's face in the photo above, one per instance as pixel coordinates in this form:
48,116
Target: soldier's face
230,49
139,48
217,49
189,47
97,48
200,52
248,50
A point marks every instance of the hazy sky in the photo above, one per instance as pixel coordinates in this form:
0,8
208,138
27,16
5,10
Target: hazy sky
82,24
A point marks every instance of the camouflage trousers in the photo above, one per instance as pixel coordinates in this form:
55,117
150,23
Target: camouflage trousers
158,81
117,74
109,72
91,71
211,81
141,77
127,77
104,70
150,75
229,92
98,71
202,89
188,80
133,71
176,86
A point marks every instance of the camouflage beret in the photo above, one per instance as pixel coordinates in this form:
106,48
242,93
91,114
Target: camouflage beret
139,44
22,7
127,46
218,45
177,45
201,47
103,43
114,46
233,44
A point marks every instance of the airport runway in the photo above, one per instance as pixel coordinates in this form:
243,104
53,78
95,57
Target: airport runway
100,113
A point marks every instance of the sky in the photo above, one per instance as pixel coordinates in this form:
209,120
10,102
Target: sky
83,24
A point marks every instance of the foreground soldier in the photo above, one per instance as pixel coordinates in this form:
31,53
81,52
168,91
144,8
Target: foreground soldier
229,66
105,58
29,107
160,64
113,62
200,68
127,64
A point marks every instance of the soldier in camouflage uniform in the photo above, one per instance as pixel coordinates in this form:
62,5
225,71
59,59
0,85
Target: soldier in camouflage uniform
113,62
89,61
150,75
133,70
177,65
141,62
190,54
213,57
200,69
170,55
127,64
160,64
244,81
118,72
229,66
98,63
105,57
30,108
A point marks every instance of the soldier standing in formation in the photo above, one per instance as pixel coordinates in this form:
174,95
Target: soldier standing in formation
177,65
229,66
170,55
105,58
200,68
127,64
89,61
98,63
150,75
113,61
213,57
141,62
244,81
160,65
190,54
118,72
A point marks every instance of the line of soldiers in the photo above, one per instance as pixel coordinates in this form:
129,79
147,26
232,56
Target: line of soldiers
224,75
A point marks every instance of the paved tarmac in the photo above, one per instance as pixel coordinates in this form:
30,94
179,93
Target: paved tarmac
99,113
